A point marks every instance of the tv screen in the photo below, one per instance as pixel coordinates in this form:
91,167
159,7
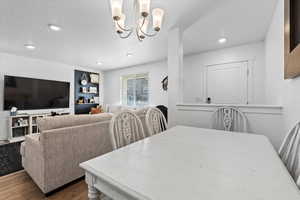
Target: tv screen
31,94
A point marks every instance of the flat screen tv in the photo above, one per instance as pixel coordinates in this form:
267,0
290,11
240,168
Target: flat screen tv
32,94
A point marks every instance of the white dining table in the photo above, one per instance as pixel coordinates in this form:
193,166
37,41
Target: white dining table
186,163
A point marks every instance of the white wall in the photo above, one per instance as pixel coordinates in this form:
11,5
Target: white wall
264,119
267,120
193,70
280,91
275,57
157,72
33,68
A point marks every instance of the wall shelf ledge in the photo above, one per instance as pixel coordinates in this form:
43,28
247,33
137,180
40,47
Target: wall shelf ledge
246,108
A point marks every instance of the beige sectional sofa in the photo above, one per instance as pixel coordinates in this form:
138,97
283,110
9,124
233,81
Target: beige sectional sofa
52,157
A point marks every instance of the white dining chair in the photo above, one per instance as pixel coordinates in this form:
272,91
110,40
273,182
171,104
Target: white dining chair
229,119
155,121
289,153
125,128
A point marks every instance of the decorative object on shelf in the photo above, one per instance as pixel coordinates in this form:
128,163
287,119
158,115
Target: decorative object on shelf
13,111
84,90
165,83
94,78
96,110
93,90
81,100
91,100
84,79
142,15
22,122
16,124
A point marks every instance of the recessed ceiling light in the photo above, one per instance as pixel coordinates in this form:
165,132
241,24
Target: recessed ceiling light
222,40
129,54
99,63
54,27
29,46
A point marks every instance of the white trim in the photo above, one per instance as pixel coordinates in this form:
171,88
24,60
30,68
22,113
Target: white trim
245,108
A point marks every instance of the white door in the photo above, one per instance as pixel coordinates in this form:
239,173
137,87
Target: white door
227,83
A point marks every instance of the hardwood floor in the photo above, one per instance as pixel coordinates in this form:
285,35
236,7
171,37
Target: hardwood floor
19,186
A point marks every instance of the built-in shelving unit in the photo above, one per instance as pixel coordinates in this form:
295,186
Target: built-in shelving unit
22,125
86,96
25,124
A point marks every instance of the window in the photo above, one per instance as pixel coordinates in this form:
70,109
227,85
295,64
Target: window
135,89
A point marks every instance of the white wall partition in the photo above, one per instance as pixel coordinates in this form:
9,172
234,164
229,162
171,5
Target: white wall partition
175,71
194,70
33,68
262,119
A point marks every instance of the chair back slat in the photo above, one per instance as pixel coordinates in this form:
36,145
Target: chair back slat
126,128
289,153
155,121
229,119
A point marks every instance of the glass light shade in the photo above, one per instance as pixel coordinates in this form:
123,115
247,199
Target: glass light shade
116,8
145,7
143,27
157,15
120,23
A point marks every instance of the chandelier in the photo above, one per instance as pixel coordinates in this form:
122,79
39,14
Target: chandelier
142,18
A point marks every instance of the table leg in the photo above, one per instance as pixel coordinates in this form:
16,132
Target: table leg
92,193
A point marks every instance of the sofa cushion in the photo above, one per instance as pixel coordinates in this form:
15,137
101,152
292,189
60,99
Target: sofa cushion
56,122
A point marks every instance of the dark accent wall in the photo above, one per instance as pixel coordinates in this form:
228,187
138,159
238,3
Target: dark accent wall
83,108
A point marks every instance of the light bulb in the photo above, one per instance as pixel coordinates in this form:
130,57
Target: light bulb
157,15
145,7
116,9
